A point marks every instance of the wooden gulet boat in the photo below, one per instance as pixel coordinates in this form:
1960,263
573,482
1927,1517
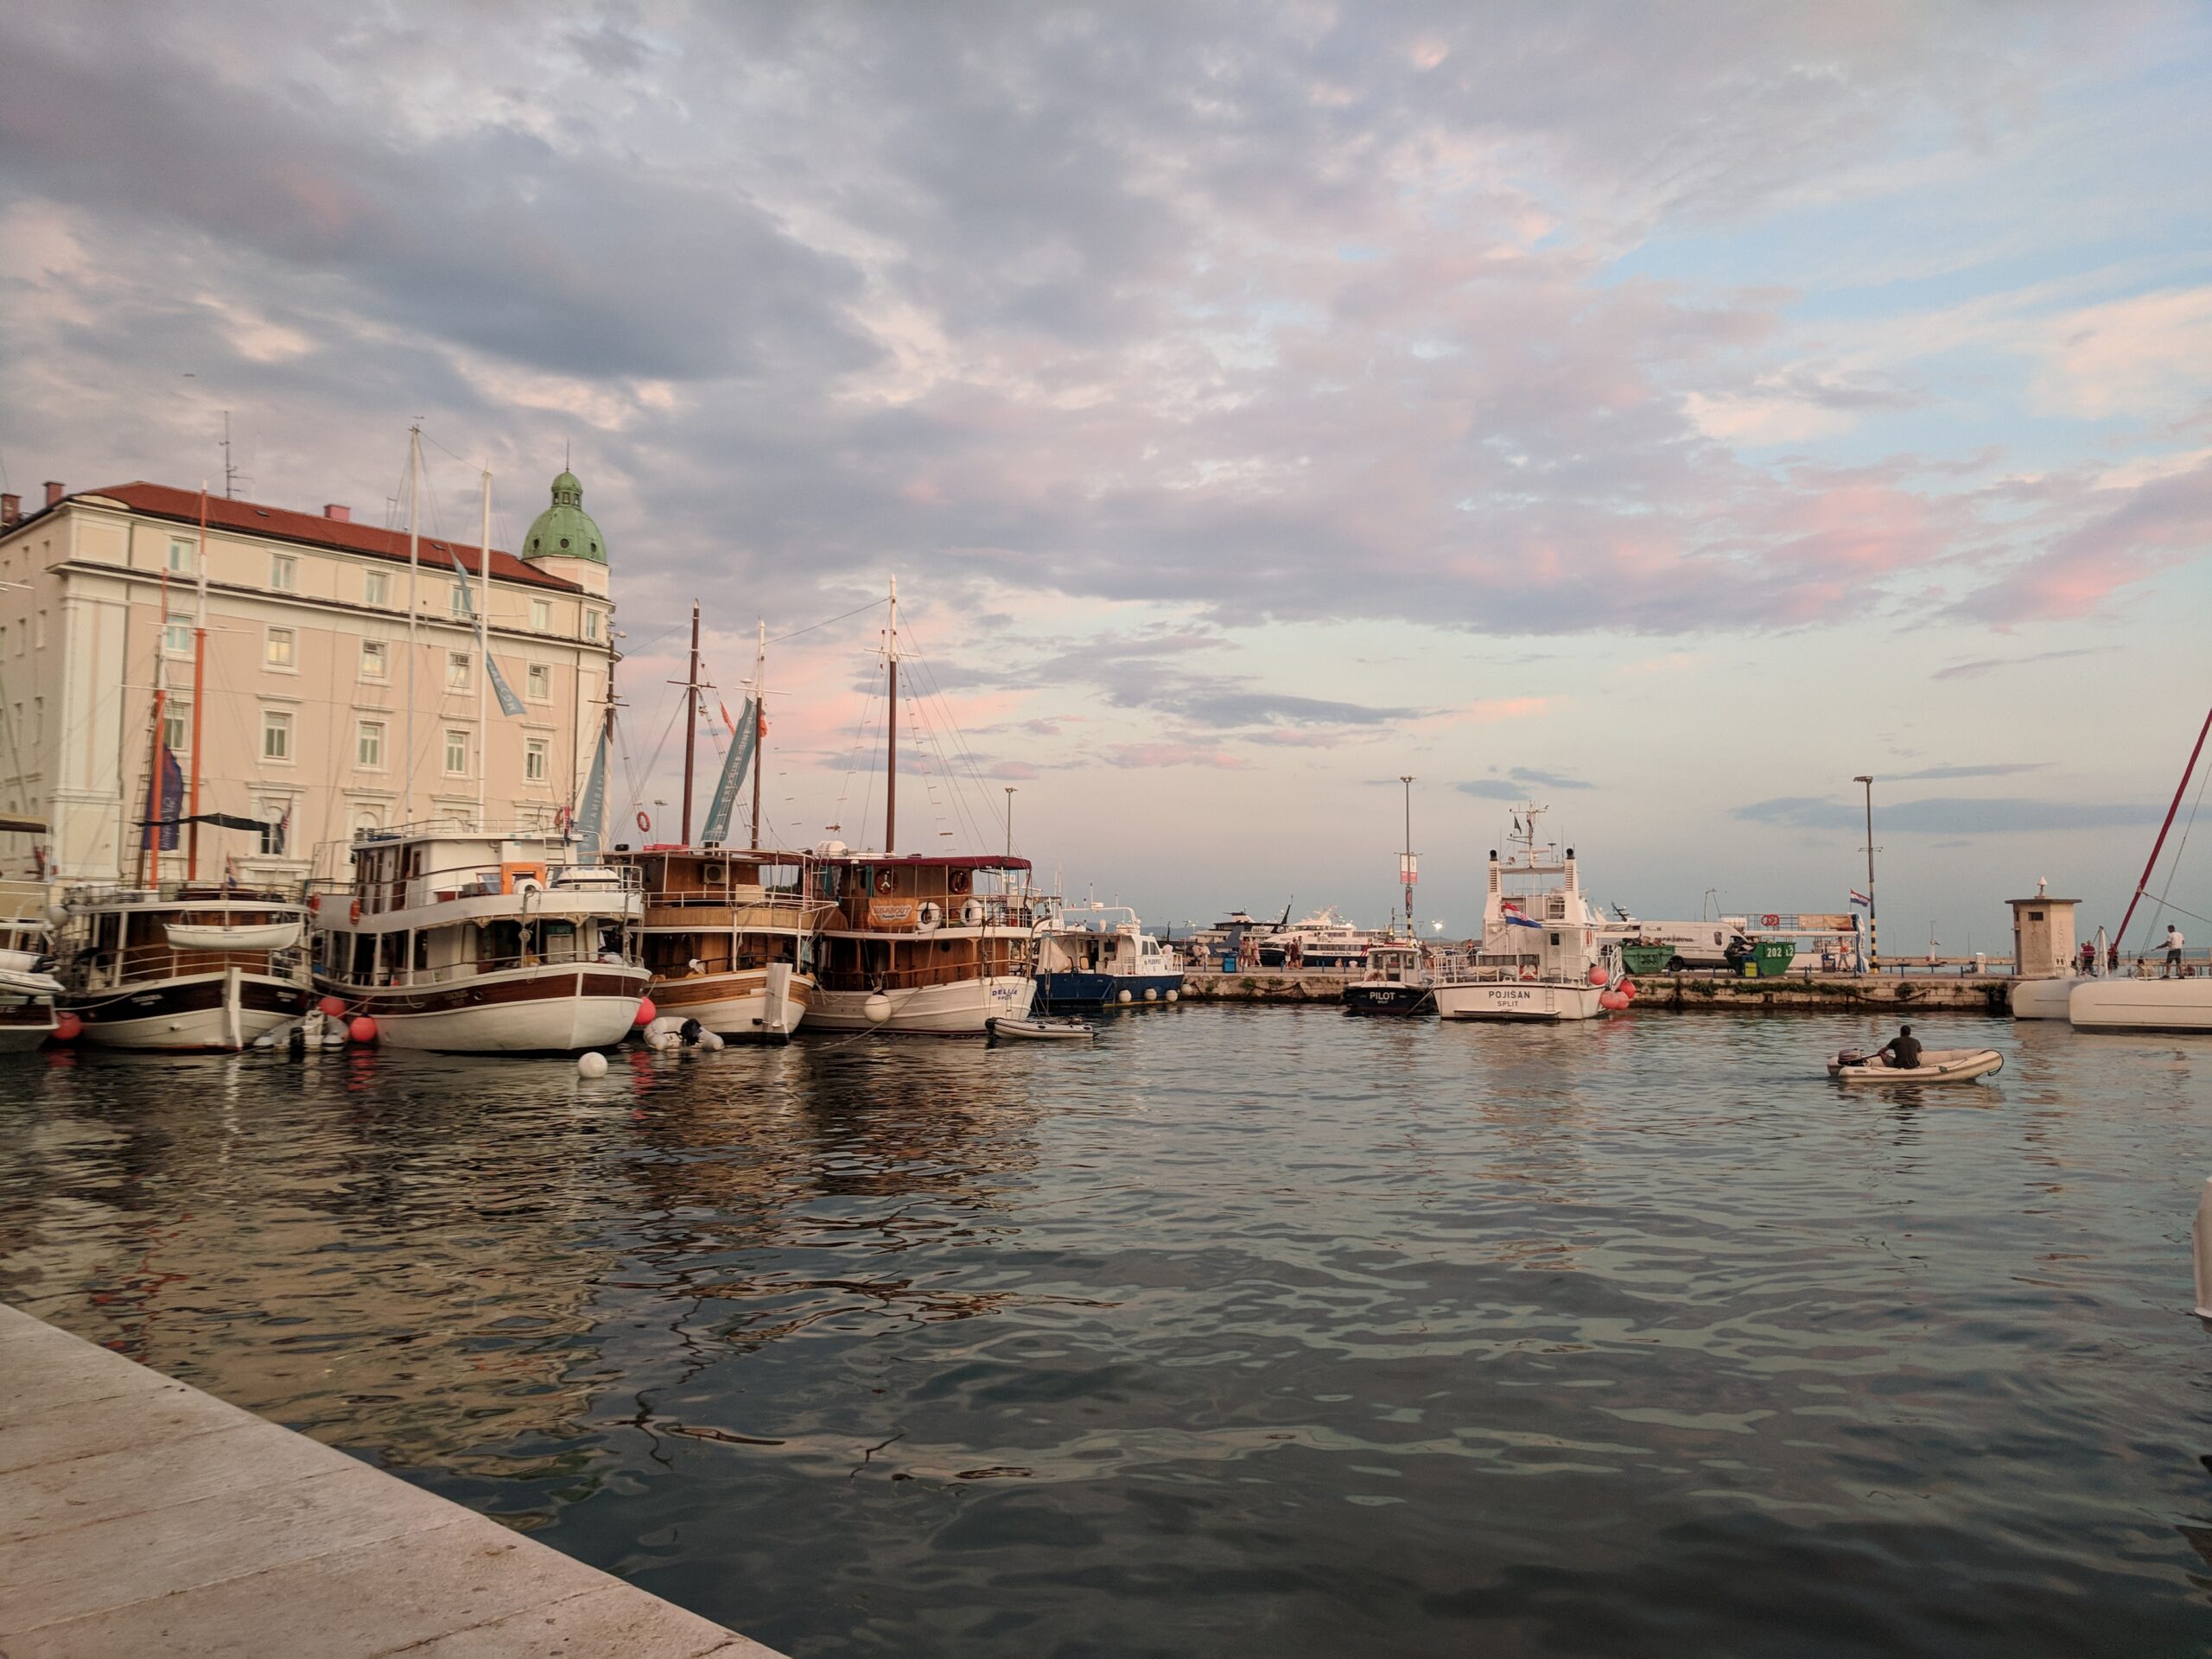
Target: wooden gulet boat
466,940
183,966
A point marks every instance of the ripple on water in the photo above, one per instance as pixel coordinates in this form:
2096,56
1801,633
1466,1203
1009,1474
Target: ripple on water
1247,1331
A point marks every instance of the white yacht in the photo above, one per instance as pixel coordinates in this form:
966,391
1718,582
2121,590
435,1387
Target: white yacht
471,940
1095,956
182,966
1545,953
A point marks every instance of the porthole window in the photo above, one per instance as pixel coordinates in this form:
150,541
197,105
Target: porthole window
564,541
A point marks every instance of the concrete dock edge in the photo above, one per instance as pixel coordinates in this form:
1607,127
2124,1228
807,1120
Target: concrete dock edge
140,1516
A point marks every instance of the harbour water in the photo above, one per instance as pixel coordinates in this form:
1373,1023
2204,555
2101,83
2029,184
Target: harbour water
1249,1331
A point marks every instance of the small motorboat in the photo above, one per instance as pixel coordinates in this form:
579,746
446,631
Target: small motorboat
1937,1065
1029,1029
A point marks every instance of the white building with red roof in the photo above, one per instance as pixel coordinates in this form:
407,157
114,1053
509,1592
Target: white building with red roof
302,714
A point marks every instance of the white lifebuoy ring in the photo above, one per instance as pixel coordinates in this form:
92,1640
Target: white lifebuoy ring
971,913
931,915
1527,973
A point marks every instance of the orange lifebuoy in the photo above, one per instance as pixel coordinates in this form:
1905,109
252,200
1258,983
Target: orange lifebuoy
959,880
1527,973
885,882
315,901
644,824
353,911
1769,921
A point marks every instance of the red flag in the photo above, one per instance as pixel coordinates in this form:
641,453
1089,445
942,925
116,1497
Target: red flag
727,721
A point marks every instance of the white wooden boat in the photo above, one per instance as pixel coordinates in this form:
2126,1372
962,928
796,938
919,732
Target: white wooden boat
1937,1065
226,935
1039,1031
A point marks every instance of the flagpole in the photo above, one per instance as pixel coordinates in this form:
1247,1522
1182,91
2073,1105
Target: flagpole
199,692
483,649
414,568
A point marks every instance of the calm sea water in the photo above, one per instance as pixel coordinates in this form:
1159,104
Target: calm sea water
1252,1331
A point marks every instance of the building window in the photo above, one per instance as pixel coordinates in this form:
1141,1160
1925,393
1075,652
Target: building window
176,636
456,671
39,640
376,660
376,588
368,746
591,624
22,635
179,553
276,735
284,573
177,728
533,761
365,820
456,755
541,683
541,615
457,603
38,720
278,647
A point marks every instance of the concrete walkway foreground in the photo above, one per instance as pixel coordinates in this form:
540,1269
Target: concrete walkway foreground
139,1516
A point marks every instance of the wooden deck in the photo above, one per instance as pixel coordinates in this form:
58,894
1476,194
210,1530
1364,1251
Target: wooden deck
139,1516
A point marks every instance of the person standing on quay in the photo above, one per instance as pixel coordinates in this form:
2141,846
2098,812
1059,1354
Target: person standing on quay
2172,948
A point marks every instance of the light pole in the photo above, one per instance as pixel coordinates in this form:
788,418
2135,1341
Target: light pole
1873,939
1009,821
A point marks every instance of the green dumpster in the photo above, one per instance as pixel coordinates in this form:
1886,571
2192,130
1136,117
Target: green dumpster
1770,958
1646,958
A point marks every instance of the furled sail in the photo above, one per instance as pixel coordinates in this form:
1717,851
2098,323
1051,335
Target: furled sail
739,761
591,815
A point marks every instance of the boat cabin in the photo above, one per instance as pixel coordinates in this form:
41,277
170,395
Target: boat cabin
898,923
126,936
716,911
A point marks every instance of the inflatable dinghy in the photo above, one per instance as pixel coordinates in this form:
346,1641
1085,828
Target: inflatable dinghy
1937,1065
1003,1028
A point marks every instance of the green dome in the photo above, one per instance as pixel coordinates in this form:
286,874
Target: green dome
565,531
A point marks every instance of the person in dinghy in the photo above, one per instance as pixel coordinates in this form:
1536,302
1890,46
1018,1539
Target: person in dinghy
1902,1050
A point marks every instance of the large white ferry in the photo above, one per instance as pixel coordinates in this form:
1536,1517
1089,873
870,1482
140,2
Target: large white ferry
471,940
1545,954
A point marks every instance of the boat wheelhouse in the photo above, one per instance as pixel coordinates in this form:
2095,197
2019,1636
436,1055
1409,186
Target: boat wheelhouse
934,945
1098,956
182,966
27,986
473,940
1545,954
728,936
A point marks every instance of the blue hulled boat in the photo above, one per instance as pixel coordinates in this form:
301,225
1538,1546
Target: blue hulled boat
1098,957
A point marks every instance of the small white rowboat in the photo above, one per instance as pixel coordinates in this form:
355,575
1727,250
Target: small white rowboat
1003,1027
1937,1065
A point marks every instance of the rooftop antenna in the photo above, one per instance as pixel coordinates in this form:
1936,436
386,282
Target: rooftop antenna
231,477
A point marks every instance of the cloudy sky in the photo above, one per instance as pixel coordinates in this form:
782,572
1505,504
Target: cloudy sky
1664,412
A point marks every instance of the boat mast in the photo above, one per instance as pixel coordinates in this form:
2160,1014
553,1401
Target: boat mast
483,646
891,759
199,695
759,723
1406,867
2157,846
690,721
150,837
414,570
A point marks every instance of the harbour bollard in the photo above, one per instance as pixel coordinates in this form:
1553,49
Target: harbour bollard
591,1063
2200,1239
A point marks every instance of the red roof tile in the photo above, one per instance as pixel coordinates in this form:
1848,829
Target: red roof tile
313,529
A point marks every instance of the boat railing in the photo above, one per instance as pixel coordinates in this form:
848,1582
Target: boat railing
109,895
107,970
392,978
906,979
478,879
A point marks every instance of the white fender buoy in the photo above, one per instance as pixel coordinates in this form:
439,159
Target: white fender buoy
877,1007
2200,1239
1122,996
1152,993
1174,996
591,1063
710,1039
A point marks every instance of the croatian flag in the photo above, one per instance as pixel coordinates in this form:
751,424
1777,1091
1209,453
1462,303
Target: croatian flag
1513,918
1860,900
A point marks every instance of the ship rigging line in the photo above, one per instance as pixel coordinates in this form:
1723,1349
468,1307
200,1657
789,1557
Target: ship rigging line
2143,880
975,767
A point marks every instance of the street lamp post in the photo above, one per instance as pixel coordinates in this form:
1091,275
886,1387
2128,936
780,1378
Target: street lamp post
1873,939
1009,821
1406,869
